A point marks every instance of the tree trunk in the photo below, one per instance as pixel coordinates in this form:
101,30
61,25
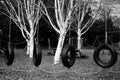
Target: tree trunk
31,41
28,47
59,48
79,44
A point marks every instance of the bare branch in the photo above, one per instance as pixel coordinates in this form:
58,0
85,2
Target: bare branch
49,18
89,26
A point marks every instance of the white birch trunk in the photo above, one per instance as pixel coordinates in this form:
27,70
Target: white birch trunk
79,44
30,42
59,49
31,47
28,47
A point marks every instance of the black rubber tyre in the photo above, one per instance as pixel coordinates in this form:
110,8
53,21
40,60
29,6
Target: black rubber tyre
113,54
9,54
68,58
37,55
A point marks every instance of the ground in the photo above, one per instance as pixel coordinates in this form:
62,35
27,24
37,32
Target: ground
83,69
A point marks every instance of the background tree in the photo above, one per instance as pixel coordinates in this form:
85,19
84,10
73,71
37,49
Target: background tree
26,15
85,17
107,8
106,22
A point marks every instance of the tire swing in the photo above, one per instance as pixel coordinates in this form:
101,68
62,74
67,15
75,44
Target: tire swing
9,50
102,63
37,53
112,53
9,54
68,56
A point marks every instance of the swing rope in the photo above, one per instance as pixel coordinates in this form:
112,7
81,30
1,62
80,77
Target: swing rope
9,36
106,35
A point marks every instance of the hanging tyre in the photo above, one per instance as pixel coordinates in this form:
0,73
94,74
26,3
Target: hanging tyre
37,55
68,56
9,54
107,50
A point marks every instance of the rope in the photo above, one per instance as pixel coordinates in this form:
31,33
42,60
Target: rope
9,35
